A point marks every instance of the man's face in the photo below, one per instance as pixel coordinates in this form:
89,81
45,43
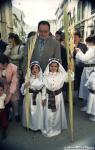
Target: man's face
76,39
43,31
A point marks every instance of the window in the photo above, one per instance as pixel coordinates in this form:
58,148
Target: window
83,9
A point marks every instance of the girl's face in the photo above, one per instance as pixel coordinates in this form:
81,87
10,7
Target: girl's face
53,67
35,70
1,91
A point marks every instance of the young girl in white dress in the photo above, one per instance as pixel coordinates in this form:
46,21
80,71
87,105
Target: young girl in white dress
35,89
90,84
54,110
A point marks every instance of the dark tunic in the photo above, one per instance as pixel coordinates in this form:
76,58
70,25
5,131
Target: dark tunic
64,57
51,50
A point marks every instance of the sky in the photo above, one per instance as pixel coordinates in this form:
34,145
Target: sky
36,10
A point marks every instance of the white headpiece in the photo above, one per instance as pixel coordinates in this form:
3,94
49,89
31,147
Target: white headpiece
60,69
37,64
34,63
51,60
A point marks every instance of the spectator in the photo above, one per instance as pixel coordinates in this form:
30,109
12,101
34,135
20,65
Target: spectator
2,45
78,65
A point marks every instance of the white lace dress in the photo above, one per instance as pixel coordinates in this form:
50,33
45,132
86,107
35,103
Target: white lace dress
54,122
36,111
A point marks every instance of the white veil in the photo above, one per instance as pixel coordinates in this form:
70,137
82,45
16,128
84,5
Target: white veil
37,64
60,69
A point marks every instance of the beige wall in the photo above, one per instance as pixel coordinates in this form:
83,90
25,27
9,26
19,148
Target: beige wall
6,20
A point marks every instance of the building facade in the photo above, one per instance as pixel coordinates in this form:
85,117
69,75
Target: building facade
59,16
11,20
81,16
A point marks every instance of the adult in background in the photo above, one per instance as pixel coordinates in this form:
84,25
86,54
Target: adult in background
78,65
45,47
15,50
2,45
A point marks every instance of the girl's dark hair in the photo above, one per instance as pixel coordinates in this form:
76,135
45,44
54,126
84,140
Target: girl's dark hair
35,65
62,35
78,34
4,59
90,39
15,37
1,85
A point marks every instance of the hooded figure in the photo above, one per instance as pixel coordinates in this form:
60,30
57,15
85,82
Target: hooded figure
54,111
35,89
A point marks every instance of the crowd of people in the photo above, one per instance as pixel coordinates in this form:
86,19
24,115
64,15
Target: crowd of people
48,80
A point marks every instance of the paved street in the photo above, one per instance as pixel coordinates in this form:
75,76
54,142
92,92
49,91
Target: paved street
84,135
